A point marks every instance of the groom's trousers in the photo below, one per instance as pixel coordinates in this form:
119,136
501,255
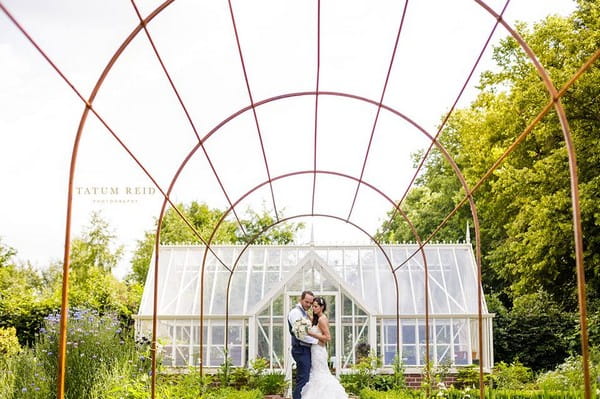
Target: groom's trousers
301,355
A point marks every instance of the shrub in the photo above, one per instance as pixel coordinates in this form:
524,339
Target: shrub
98,351
184,386
513,376
566,376
368,393
229,393
272,384
362,375
30,380
9,343
467,377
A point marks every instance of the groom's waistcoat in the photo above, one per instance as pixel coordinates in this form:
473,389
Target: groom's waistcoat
296,341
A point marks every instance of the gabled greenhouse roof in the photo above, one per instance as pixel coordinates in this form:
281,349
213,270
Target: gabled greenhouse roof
362,271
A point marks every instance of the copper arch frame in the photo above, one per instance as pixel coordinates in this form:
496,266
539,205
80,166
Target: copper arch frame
395,207
554,102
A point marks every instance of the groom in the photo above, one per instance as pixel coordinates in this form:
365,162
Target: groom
301,348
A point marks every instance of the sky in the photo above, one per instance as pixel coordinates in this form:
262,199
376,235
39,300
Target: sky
196,40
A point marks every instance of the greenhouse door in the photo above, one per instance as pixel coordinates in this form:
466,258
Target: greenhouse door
332,299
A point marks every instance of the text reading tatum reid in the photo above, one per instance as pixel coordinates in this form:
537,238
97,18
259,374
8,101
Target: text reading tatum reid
114,190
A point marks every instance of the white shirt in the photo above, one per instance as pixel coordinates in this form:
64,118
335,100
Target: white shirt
296,314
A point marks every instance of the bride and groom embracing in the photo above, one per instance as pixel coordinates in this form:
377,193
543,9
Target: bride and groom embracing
313,379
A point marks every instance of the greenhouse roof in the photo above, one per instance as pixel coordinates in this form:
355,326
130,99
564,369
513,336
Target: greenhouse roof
363,272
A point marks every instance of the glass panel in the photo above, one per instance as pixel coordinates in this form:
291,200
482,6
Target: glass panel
389,341
390,354
408,333
235,335
219,295
422,354
235,353
182,355
274,257
469,281
418,286
168,355
278,305
296,283
263,349
255,288
367,256
216,356
442,332
350,257
443,354
278,338
237,293
289,257
334,257
409,355
257,256
438,299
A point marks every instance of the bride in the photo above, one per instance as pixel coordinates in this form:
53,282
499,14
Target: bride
321,384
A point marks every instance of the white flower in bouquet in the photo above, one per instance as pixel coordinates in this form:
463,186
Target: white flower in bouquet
300,327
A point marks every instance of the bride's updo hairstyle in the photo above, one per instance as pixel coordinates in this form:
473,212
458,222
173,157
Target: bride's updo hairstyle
321,302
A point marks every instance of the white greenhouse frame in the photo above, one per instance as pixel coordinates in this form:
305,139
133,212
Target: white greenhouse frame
355,279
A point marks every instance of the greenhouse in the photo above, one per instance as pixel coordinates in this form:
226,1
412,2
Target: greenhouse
357,282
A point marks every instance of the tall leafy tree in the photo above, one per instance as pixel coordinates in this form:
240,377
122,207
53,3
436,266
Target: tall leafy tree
94,248
525,206
6,254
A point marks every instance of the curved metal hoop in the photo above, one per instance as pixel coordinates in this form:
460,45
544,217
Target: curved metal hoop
555,102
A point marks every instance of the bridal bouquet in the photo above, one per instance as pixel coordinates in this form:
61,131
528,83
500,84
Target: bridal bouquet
300,327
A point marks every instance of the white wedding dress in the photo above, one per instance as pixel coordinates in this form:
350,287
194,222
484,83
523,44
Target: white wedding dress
321,384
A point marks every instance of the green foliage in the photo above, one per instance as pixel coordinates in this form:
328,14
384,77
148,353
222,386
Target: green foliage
363,374
93,248
25,300
368,393
229,393
514,376
524,206
272,384
27,295
6,254
100,355
185,385
224,372
535,331
27,377
434,377
256,377
257,231
9,344
469,393
467,377
569,375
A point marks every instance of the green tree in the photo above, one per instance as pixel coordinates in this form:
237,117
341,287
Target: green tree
94,247
525,206
6,254
255,228
92,285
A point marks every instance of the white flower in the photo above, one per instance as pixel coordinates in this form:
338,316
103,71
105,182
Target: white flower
300,327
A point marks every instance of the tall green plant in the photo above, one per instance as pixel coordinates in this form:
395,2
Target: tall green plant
96,346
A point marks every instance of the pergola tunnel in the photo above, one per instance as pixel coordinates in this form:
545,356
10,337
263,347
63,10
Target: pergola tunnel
420,303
